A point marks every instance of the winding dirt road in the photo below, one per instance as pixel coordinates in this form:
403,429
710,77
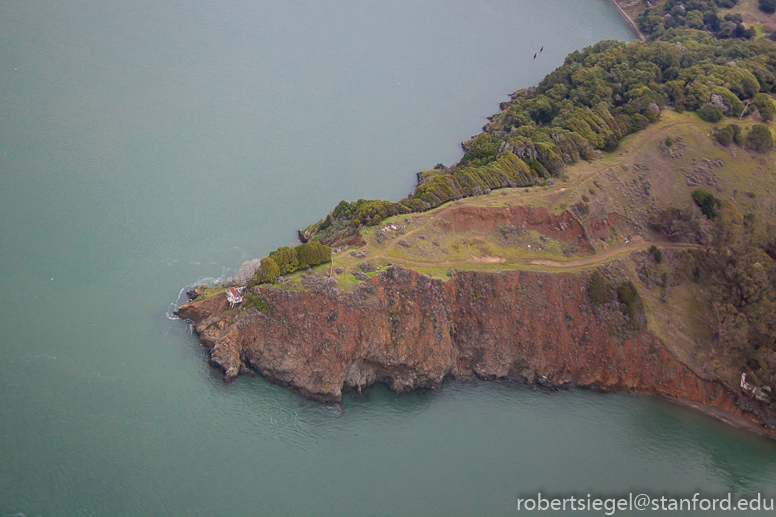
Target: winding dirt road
597,259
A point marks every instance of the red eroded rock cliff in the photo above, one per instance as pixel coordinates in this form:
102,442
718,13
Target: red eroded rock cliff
410,331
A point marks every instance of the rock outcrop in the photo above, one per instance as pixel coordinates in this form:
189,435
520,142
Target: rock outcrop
410,331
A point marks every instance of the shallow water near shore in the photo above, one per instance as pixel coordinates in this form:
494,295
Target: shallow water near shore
146,146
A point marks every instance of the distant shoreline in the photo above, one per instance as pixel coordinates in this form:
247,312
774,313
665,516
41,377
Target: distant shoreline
628,19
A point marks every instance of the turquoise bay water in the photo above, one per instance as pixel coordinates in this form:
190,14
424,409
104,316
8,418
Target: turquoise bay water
145,146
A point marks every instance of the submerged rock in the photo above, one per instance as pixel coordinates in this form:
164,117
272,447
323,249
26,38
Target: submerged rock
196,292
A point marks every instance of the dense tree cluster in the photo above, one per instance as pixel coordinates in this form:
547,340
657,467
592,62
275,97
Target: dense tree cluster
707,202
741,277
312,254
598,96
268,272
737,270
682,225
694,14
632,305
730,134
286,260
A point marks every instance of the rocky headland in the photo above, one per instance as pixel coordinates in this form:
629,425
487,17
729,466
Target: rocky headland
604,231
410,331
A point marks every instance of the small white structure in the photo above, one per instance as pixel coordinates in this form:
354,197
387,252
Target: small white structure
234,295
755,392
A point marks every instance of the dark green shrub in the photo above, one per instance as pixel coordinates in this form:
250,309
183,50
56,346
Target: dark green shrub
598,289
538,169
611,143
768,6
724,136
710,113
311,254
343,209
657,253
669,141
734,105
764,105
759,139
286,259
711,20
731,133
679,225
650,20
482,151
267,273
371,212
706,202
631,304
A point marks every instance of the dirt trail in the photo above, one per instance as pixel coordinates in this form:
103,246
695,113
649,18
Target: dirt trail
473,260
628,248
636,245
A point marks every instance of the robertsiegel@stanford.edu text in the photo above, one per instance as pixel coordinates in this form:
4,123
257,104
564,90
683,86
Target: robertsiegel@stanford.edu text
610,505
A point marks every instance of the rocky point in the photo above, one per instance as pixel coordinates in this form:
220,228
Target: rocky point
410,331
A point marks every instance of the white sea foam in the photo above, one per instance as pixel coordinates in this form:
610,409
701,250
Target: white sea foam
182,298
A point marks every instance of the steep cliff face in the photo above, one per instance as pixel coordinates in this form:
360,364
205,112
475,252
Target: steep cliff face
410,331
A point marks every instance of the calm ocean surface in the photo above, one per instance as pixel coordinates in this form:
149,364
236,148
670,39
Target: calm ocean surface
150,145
